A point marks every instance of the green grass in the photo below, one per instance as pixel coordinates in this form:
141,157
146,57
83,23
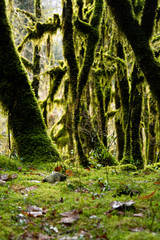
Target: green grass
90,192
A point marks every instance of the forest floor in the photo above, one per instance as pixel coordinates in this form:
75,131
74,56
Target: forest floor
96,203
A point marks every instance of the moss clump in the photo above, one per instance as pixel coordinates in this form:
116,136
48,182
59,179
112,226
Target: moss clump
128,167
128,189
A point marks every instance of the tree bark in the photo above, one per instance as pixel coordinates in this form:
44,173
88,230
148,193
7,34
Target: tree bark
25,119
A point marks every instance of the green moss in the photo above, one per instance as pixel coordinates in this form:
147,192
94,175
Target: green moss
25,119
128,167
40,29
56,74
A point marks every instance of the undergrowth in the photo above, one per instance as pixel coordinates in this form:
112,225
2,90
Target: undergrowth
90,192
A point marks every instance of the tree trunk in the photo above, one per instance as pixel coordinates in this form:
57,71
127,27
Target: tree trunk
139,40
25,119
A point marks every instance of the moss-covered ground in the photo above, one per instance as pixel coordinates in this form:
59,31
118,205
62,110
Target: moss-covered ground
87,192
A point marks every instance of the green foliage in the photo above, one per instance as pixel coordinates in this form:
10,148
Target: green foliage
103,156
10,163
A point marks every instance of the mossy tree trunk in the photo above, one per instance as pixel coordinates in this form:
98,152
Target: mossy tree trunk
136,112
25,119
100,99
118,125
123,86
138,36
151,156
36,53
79,77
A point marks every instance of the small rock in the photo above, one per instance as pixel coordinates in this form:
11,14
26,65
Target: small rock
55,177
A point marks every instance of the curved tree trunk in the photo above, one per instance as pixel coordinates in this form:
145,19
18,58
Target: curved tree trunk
25,119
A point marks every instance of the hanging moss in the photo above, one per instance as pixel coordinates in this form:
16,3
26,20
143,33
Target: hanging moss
40,29
25,119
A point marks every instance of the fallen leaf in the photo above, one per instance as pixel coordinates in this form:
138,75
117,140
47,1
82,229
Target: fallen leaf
53,213
58,168
140,229
69,172
34,211
34,208
157,183
70,216
118,204
101,237
149,196
138,215
2,182
6,177
35,236
26,190
84,234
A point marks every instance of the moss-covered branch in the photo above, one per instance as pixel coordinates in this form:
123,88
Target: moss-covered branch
27,14
40,29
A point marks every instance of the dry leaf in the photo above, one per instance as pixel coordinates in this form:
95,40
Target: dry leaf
58,168
34,211
6,177
28,189
147,196
138,215
69,172
118,204
2,182
140,229
39,236
157,183
70,216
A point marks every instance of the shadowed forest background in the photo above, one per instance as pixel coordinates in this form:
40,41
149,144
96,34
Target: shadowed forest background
94,72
